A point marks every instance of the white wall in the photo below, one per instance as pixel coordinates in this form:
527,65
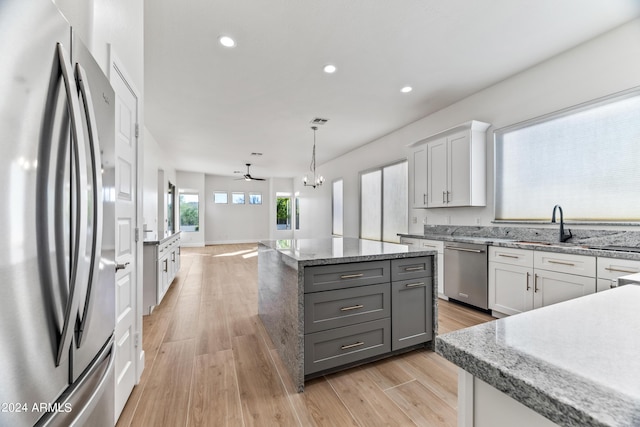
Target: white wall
229,223
118,23
154,161
605,65
193,182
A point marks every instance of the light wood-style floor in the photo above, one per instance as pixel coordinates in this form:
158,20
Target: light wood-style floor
209,362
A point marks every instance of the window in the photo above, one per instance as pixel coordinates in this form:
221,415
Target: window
255,198
189,212
220,197
297,213
583,158
283,212
237,198
336,207
384,202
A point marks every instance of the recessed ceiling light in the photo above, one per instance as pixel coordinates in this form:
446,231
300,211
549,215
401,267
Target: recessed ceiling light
227,41
330,69
406,89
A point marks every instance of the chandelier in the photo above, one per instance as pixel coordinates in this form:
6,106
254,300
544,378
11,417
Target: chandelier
317,180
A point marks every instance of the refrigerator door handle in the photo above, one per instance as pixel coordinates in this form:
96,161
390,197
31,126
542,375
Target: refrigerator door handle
78,417
100,389
96,172
79,184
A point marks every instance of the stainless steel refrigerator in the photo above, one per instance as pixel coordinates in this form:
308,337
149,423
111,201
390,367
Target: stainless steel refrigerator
57,271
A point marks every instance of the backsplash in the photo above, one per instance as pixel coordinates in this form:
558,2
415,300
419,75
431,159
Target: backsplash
580,236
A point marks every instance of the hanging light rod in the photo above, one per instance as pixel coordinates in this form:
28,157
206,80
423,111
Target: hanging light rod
317,180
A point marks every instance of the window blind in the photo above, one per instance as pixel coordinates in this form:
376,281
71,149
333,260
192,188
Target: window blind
586,158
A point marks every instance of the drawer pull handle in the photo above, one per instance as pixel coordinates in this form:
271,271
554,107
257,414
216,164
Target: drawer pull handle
351,276
353,307
408,243
414,268
424,245
562,263
414,285
620,270
509,256
355,344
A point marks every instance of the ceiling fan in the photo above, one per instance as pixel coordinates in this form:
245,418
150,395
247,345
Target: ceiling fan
248,177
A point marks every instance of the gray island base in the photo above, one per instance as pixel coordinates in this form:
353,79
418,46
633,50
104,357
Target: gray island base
575,363
328,304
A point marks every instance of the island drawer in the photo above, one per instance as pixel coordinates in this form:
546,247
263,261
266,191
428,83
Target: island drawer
343,307
340,346
411,268
338,276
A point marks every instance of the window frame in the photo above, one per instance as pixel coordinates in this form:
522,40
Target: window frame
237,193
226,197
545,118
381,168
182,193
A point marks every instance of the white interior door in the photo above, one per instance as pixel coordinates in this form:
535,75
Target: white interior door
125,193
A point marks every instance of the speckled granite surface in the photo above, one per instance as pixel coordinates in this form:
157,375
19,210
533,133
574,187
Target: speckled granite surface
576,363
281,265
583,242
337,250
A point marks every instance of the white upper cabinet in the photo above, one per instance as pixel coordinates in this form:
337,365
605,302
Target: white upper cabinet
419,178
452,170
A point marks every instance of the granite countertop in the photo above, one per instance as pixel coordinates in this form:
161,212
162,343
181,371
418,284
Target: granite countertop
576,363
157,242
337,250
532,240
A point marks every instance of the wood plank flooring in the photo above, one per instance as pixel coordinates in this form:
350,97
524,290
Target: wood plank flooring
209,362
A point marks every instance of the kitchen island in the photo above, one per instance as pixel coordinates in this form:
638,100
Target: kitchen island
331,303
573,363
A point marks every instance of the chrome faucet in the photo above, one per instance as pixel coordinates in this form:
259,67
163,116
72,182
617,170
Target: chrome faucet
563,237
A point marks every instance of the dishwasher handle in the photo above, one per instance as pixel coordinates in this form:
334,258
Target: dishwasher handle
455,248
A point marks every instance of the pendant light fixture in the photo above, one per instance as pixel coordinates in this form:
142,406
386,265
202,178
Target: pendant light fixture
317,180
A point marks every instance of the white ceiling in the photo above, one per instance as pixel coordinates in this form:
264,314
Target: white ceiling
210,107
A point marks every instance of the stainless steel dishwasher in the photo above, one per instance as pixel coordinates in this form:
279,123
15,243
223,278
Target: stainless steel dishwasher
465,273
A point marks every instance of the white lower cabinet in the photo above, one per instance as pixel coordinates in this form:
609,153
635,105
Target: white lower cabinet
610,269
161,264
521,280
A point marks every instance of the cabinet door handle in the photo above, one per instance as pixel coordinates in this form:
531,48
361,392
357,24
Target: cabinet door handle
355,344
535,283
509,256
443,196
353,307
448,201
351,276
620,270
166,265
528,275
424,199
414,268
414,285
561,263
